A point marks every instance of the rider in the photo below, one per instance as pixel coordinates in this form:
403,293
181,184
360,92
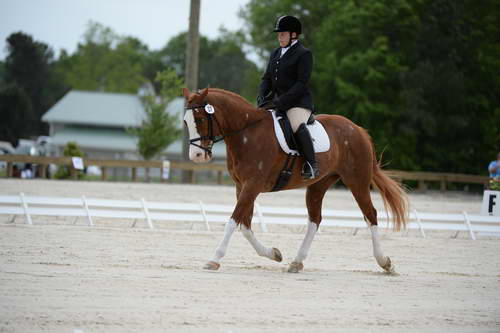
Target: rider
286,84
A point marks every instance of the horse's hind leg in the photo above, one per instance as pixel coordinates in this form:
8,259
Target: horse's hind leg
361,192
243,214
314,200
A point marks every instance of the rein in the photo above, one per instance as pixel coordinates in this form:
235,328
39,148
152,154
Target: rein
210,117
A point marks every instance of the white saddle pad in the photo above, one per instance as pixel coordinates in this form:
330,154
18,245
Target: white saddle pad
321,141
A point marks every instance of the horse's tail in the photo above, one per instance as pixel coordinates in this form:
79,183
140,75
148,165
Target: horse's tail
393,194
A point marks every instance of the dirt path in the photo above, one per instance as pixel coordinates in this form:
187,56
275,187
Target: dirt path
58,278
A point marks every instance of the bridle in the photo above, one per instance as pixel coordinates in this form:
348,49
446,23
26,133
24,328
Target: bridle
210,136
210,117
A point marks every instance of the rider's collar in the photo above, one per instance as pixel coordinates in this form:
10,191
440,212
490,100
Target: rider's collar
284,49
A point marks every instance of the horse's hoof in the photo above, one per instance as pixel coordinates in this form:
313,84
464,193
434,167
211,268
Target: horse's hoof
211,266
388,267
277,255
295,267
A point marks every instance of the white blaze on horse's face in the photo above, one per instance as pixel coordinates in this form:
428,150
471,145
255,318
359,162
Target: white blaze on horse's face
196,154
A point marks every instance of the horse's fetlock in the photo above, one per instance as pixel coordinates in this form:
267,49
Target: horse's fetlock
219,253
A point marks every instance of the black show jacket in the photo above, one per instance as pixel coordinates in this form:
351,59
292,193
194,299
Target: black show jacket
287,78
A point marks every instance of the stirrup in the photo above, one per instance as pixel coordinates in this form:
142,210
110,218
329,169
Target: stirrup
309,171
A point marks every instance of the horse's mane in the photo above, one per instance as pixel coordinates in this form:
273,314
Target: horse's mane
229,99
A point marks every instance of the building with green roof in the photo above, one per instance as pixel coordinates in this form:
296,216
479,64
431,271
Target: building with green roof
97,121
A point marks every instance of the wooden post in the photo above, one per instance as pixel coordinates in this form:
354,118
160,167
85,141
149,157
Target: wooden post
134,174
219,177
74,172
191,77
103,173
43,171
422,186
193,178
10,170
443,185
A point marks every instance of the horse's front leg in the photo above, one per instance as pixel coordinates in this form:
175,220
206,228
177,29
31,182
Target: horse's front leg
220,252
242,215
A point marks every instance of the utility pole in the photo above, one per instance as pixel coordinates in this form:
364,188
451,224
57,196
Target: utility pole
192,57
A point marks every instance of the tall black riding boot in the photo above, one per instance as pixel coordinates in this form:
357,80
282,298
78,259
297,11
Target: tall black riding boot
304,141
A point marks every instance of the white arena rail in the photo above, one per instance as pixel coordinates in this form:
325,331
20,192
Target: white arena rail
87,208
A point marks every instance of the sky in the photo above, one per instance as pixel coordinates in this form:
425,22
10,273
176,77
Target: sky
62,23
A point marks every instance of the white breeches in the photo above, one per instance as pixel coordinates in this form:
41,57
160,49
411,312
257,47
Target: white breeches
298,116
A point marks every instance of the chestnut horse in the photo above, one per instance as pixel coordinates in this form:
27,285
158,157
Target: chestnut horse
254,160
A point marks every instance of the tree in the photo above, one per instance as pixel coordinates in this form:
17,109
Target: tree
105,62
16,113
159,129
421,76
260,17
28,74
452,103
2,73
70,150
359,66
223,62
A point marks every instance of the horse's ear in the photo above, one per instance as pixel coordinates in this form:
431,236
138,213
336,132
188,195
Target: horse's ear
204,93
186,92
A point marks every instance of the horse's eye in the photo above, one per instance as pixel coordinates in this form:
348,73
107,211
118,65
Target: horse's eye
199,121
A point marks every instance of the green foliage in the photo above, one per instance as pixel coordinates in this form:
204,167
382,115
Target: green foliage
2,73
28,87
16,113
450,83
222,62
159,129
71,150
494,184
362,58
261,15
422,76
170,84
105,62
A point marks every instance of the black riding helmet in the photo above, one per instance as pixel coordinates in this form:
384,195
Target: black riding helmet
288,23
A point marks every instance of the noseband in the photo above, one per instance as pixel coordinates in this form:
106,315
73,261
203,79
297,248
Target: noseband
210,117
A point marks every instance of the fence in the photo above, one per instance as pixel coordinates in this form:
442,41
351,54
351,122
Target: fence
152,212
43,162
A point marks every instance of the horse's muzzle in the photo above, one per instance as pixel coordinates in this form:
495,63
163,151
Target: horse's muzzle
199,155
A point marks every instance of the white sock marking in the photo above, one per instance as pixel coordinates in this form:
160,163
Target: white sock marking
222,248
259,248
312,228
377,249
